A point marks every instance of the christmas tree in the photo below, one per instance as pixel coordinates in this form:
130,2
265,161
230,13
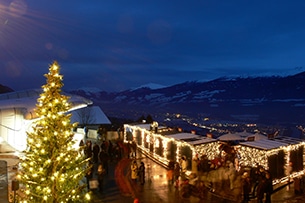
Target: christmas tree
52,169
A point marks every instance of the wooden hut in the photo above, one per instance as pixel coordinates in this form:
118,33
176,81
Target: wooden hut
275,155
165,144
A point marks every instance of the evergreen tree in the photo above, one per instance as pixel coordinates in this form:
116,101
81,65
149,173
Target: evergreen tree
141,119
52,169
149,119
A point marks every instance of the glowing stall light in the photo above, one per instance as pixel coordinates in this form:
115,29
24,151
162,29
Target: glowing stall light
157,143
178,150
142,137
254,157
285,179
294,147
164,143
147,138
248,156
304,157
211,150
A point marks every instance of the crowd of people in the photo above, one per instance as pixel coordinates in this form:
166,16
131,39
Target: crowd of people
257,184
221,175
99,156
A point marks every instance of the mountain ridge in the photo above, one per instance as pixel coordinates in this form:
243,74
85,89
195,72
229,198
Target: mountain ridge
265,99
262,99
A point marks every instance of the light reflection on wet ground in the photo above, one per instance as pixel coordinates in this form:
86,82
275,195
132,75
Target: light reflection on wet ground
157,190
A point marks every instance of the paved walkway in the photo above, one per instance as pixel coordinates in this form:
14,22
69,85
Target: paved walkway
11,161
155,189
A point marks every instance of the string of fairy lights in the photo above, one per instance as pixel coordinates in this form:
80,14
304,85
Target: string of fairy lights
52,169
248,156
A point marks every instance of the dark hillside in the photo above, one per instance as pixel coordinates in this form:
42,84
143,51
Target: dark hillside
5,89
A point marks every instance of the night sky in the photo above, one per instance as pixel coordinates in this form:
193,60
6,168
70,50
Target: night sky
120,44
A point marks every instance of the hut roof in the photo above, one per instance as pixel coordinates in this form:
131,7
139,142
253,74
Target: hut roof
183,136
191,138
27,99
230,137
202,140
288,140
257,136
264,144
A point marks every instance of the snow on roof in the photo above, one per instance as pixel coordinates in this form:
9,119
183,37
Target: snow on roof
257,136
202,140
27,99
230,137
264,144
191,138
22,99
288,140
267,144
182,136
89,115
20,94
244,134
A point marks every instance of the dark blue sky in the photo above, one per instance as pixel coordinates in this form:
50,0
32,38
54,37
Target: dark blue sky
119,44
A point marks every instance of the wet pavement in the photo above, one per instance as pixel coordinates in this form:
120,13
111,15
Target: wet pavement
155,189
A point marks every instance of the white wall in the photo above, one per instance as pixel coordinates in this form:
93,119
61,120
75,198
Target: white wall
13,127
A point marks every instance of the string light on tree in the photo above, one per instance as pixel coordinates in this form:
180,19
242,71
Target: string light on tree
52,169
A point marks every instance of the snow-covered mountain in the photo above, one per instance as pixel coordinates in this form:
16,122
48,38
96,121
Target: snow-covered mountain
259,99
152,86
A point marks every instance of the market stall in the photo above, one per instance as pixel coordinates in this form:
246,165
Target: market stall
277,155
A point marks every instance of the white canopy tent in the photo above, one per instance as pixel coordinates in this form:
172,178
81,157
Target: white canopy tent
92,115
231,137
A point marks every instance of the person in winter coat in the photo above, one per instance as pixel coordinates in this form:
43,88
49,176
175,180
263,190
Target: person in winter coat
261,190
89,176
88,149
103,159
100,176
268,187
177,171
246,187
95,151
134,171
141,173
